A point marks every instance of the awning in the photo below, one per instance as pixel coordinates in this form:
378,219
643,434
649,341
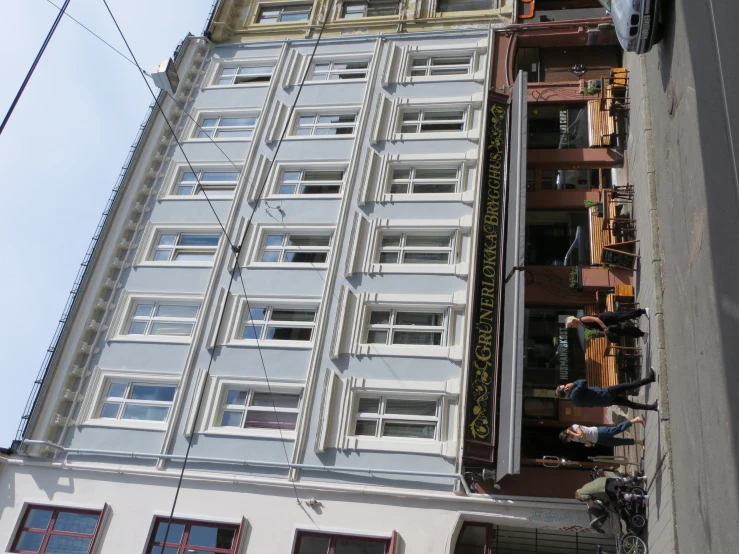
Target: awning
511,363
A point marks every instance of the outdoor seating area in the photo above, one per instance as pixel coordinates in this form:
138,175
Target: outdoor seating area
608,111
613,229
610,363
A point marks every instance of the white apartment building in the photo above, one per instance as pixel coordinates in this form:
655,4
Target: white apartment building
292,314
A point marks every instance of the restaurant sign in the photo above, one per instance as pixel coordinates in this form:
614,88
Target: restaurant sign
485,305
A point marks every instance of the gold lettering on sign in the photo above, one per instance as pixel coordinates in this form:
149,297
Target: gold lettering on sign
484,340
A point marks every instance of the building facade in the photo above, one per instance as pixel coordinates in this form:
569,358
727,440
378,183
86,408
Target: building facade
286,304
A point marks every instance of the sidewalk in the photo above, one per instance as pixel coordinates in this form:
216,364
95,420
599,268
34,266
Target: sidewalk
648,283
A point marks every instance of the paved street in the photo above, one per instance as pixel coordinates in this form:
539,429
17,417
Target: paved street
686,132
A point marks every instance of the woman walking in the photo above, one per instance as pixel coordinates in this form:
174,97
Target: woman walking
604,435
618,323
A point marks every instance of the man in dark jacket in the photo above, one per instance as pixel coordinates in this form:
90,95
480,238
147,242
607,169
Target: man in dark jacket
592,397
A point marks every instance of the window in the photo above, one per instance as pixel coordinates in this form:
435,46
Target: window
212,183
279,323
558,126
311,181
556,237
424,180
553,354
335,71
397,417
185,247
245,74
332,124
432,121
441,65
46,529
193,536
322,543
294,12
539,179
227,127
162,318
404,248
464,5
250,409
130,400
405,327
295,248
370,8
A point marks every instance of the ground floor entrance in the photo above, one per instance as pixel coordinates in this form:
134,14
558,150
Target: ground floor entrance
485,538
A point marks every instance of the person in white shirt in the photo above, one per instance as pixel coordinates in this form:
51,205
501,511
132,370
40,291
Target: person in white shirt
604,435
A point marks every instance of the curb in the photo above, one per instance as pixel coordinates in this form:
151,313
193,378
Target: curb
658,272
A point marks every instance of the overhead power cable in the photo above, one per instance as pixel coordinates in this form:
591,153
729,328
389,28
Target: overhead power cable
93,33
236,250
129,60
171,128
33,65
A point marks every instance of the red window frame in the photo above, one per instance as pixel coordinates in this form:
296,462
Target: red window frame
182,547
489,535
389,543
49,531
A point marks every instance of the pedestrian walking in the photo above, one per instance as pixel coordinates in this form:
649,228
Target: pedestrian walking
595,397
604,435
617,323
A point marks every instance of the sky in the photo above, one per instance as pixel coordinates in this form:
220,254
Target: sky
61,153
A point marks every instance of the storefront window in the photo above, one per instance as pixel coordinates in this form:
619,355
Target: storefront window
570,179
553,354
552,235
558,126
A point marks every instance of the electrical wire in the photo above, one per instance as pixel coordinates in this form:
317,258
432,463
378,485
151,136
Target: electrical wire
174,100
33,65
236,250
169,125
93,33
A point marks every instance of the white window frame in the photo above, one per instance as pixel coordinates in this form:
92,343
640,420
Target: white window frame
454,13
377,174
392,326
219,127
176,172
217,394
284,249
241,311
323,112
381,417
455,325
389,119
365,5
218,65
127,304
348,392
284,168
413,180
241,66
429,65
331,62
424,113
269,6
149,244
259,237
100,380
403,248
459,229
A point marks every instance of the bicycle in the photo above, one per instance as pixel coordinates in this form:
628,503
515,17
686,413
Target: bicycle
627,544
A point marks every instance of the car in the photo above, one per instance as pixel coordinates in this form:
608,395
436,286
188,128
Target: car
636,22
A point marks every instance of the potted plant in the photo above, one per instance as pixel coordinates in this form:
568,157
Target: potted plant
597,205
576,279
591,334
